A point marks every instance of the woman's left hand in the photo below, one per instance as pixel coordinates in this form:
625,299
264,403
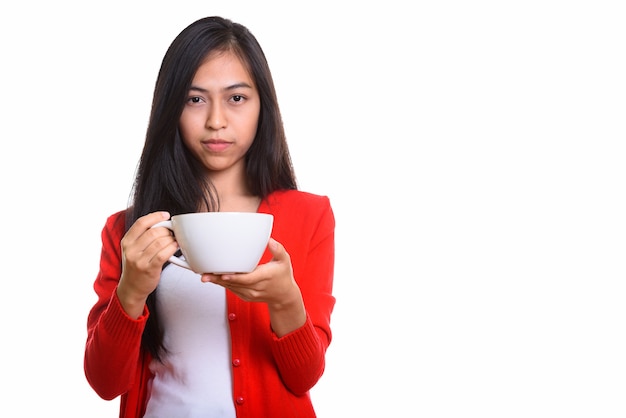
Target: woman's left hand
272,283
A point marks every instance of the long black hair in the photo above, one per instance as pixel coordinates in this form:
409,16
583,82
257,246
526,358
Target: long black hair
168,176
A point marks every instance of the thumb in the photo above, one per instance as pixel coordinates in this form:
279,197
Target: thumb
277,250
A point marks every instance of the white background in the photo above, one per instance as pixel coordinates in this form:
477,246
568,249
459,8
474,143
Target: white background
473,153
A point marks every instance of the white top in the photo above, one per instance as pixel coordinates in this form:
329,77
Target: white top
195,378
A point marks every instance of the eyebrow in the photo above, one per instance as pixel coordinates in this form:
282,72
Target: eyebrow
227,88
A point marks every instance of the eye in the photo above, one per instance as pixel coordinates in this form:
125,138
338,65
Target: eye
194,99
237,98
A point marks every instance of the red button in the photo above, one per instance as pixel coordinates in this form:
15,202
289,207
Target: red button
239,400
236,362
232,316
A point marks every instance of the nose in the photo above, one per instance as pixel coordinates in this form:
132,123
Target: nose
216,119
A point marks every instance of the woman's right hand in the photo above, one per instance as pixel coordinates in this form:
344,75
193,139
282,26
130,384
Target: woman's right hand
144,251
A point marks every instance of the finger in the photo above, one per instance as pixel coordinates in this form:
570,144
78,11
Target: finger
143,241
146,222
161,249
278,250
208,277
151,219
221,279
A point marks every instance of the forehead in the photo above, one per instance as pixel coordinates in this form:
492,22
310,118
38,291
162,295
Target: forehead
224,62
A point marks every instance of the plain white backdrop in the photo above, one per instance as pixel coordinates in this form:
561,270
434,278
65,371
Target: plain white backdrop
473,153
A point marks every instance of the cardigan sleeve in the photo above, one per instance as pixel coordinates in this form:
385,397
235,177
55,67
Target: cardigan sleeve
300,355
113,338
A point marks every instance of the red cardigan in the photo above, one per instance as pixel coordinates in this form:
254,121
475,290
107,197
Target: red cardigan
271,376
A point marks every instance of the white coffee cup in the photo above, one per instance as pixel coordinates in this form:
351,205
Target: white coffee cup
220,242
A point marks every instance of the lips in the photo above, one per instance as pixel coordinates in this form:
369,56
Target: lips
216,145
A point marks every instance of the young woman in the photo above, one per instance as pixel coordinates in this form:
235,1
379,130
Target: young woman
172,343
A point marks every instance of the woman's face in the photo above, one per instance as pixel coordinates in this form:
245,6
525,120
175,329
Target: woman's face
220,117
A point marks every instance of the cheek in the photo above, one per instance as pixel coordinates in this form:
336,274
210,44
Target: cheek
252,122
252,126
186,126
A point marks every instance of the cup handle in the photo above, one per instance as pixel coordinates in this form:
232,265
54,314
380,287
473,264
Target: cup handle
173,259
